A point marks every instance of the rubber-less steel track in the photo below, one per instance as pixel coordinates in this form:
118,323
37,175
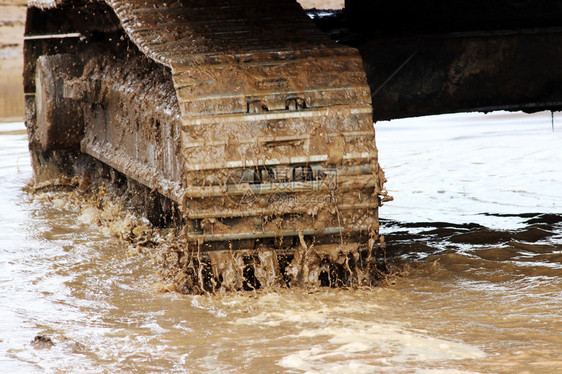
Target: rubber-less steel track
276,121
229,56
258,86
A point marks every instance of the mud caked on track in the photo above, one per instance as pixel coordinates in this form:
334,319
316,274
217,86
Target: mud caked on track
251,132
112,207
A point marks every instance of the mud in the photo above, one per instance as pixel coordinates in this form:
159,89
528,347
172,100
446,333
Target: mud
42,341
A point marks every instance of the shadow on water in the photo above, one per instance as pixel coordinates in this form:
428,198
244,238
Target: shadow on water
410,240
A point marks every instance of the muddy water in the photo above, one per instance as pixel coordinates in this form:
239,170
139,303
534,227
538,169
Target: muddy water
476,226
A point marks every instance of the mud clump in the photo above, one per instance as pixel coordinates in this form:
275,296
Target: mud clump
42,342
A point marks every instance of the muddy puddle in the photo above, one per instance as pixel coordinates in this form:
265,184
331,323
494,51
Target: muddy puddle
476,229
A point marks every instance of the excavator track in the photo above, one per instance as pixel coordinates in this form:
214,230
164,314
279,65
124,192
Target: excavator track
272,139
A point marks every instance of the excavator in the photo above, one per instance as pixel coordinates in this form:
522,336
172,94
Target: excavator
249,123
239,119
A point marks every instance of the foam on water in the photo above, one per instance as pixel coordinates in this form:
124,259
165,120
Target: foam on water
348,336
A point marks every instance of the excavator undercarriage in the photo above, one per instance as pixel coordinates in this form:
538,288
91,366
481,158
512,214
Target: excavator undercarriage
241,116
249,123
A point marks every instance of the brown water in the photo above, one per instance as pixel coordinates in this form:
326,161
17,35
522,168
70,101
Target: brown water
481,297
